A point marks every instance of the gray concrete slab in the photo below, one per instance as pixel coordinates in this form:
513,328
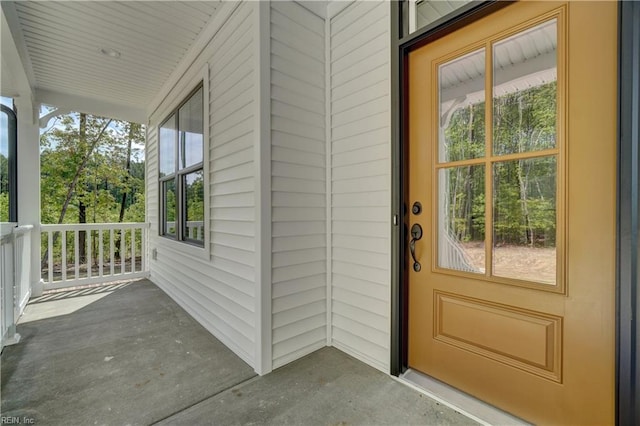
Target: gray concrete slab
130,357
327,387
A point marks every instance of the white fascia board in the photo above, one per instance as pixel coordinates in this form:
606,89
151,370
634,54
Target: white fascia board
16,75
205,37
93,106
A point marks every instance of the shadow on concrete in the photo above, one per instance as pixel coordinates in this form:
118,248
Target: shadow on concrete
131,357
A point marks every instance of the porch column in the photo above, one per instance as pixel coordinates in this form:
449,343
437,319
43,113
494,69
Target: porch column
29,182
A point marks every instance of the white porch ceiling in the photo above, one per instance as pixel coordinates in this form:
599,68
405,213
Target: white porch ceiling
60,43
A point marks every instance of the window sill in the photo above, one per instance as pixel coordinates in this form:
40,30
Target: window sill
184,248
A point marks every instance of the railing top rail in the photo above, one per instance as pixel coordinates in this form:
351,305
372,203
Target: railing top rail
23,229
93,226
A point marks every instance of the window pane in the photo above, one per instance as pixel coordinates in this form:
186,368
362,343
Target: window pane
191,131
194,206
524,215
461,111
169,189
168,147
8,162
461,229
427,12
525,91
4,167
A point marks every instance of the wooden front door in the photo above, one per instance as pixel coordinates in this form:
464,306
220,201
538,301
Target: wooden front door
512,194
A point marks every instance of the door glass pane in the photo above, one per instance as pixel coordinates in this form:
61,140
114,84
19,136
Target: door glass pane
169,189
461,222
191,131
524,216
168,146
461,108
525,91
194,204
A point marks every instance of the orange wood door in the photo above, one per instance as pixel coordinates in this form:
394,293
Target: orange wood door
512,156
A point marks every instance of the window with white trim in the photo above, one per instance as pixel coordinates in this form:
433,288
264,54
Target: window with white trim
181,171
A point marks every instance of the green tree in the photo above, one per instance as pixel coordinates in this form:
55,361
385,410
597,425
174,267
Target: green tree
91,172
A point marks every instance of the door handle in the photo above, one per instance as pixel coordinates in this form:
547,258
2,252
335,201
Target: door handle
416,234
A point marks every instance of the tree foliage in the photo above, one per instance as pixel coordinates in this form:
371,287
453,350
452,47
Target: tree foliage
92,152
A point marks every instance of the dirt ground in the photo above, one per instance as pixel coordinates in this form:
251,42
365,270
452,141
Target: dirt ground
521,262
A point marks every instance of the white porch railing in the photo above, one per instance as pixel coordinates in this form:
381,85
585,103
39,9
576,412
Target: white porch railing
15,290
80,254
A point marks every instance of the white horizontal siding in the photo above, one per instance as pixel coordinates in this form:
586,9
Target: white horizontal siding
361,181
298,182
220,291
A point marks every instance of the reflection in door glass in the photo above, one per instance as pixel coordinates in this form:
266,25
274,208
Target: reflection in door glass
461,221
524,219
525,91
461,108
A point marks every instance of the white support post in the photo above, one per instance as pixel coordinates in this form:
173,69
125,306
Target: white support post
29,182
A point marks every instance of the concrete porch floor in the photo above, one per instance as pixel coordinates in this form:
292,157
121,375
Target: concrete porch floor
130,355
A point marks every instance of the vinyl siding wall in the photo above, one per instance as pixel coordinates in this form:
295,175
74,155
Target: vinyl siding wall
330,205
361,181
219,291
298,182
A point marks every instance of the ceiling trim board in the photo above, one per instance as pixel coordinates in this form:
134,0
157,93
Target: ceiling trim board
11,16
91,106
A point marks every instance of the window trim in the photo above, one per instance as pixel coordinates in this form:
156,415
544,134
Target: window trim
181,94
12,157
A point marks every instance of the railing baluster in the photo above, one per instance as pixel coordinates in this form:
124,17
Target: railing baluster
71,270
122,252
76,253
101,253
50,255
145,247
133,250
63,262
88,260
112,251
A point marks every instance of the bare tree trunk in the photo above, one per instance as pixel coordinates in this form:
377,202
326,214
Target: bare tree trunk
128,168
82,209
